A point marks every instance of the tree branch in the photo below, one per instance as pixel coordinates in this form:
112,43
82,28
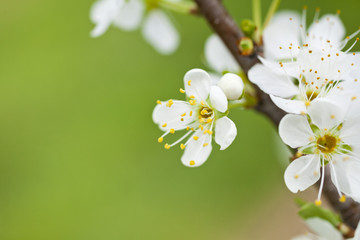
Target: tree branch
220,21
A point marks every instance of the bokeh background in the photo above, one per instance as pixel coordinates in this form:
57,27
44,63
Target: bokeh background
79,157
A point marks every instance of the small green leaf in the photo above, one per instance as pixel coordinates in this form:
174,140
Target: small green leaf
310,210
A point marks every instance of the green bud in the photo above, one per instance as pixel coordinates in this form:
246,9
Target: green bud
248,27
246,46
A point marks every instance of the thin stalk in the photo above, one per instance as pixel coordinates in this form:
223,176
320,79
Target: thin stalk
273,8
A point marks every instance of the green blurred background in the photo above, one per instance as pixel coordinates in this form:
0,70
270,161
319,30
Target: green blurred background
79,157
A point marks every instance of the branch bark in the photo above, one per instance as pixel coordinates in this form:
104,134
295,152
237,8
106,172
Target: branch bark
220,21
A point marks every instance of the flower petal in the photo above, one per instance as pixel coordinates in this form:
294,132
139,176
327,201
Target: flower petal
353,177
282,31
272,83
130,15
171,117
329,27
160,32
339,165
288,105
232,85
218,99
218,56
350,131
302,173
324,229
197,83
197,151
225,132
102,13
295,130
325,114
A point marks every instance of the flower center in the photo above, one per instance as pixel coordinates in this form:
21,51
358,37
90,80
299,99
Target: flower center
311,95
326,143
205,112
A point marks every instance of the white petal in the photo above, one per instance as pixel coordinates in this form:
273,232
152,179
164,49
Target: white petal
218,56
171,116
291,69
324,229
160,32
350,131
215,78
232,85
353,176
340,165
218,99
295,130
329,27
288,105
196,153
130,15
272,83
102,13
325,114
281,32
225,132
197,83
302,173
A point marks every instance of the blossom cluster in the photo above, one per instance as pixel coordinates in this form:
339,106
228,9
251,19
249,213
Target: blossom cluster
309,74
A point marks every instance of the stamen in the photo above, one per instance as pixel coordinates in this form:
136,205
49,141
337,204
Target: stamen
182,90
342,199
158,102
195,138
182,146
160,139
192,163
318,201
167,146
189,82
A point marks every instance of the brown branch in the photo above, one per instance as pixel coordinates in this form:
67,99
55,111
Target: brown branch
220,21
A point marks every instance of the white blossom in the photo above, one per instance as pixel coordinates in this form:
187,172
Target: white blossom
329,135
203,113
323,230
127,15
302,65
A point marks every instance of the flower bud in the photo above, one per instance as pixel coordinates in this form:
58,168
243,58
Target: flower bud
246,46
232,85
248,27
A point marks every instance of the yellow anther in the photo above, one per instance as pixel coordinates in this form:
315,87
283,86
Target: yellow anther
332,116
329,55
347,37
311,138
298,154
203,112
296,176
322,59
338,11
196,138
164,125
192,163
318,202
192,129
158,102
192,102
337,54
202,103
353,53
353,98
305,7
169,103
183,115
208,120
192,97
316,173
182,90
160,139
190,113
167,146
205,144
290,19
310,51
342,199
302,113
208,131
181,119
189,82
182,146
201,127
202,120
172,131
307,103
187,128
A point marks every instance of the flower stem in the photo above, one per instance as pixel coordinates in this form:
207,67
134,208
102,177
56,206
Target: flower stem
273,7
183,7
256,7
